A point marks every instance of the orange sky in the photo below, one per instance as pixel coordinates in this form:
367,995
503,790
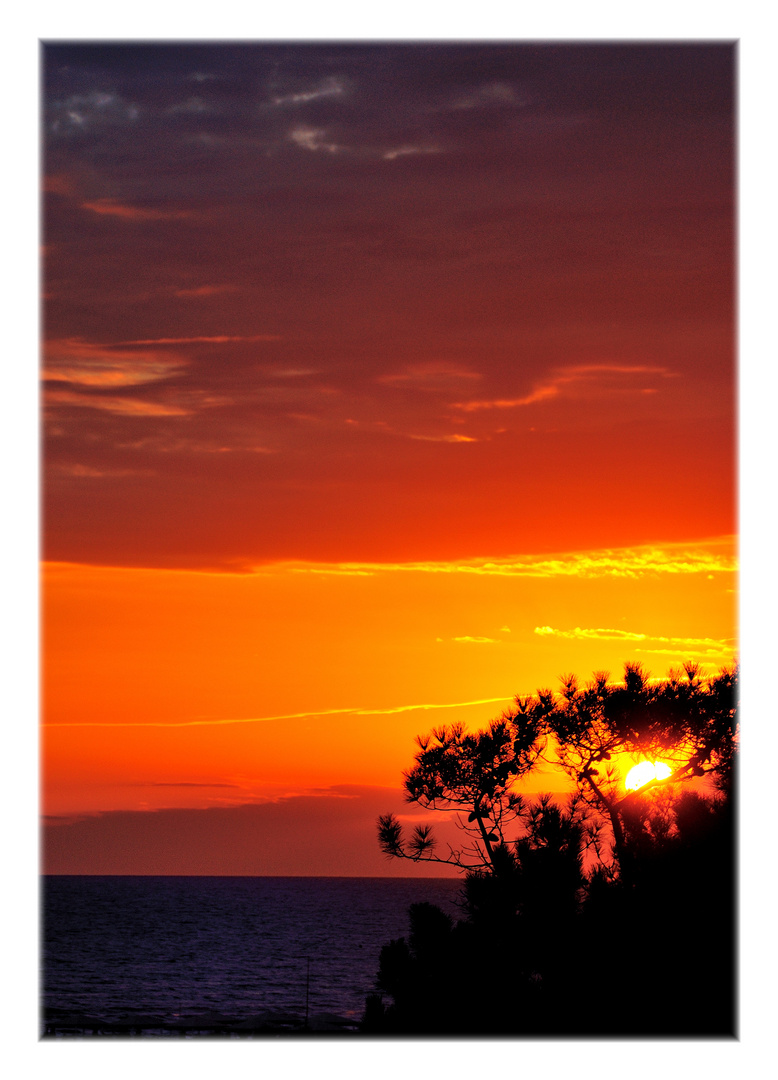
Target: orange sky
380,384
188,689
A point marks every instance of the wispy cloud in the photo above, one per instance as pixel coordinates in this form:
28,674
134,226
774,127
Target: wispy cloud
384,428
58,184
444,438
592,379
168,444
408,151
178,784
433,376
217,339
92,364
84,112
198,292
327,88
468,640
90,473
192,106
352,711
317,139
308,138
541,393
490,94
120,406
113,208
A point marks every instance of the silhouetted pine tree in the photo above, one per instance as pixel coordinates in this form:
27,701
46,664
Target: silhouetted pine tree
641,944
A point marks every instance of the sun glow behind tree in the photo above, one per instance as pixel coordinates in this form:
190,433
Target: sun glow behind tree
644,772
686,718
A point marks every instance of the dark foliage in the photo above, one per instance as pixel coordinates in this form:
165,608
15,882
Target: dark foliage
553,942
687,721
544,950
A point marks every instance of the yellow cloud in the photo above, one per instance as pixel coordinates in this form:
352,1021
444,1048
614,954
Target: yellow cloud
704,558
722,651
478,640
718,645
599,635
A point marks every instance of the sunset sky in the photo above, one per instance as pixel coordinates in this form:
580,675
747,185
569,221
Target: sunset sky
380,383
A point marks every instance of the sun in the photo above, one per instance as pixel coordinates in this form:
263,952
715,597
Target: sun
644,771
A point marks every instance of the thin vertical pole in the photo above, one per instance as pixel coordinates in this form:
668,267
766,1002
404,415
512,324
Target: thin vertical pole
307,986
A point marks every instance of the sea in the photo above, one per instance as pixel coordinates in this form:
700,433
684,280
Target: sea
156,955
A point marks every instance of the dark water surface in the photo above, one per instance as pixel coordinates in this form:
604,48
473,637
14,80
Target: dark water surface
113,947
